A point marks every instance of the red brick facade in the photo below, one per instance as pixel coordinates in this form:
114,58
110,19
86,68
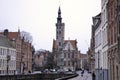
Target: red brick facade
24,52
113,31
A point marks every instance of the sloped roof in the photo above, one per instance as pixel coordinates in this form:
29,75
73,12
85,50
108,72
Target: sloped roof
11,35
73,42
4,42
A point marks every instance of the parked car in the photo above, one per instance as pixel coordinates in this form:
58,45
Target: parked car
36,72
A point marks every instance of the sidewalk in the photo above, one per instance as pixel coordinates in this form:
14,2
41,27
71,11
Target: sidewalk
86,76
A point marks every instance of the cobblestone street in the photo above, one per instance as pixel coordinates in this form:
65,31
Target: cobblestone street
86,76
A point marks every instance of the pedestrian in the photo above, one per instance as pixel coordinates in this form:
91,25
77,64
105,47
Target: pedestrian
82,73
29,72
93,76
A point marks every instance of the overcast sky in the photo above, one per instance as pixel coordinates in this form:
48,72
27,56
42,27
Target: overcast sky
38,17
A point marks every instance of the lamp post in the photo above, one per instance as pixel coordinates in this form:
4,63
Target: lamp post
8,59
98,59
98,66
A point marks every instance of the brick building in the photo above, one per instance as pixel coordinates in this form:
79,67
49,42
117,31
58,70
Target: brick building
40,59
23,51
114,39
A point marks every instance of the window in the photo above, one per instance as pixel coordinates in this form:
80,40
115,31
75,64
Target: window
59,27
59,43
68,55
60,49
59,32
0,62
64,63
5,52
65,55
0,51
117,72
68,63
73,55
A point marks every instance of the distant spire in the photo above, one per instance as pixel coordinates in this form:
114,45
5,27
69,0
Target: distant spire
59,12
18,29
59,19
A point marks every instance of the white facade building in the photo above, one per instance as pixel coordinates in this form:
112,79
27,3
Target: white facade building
7,57
104,24
101,43
98,45
98,41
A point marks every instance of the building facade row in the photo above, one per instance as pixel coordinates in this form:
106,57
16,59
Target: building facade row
114,39
106,39
41,60
24,51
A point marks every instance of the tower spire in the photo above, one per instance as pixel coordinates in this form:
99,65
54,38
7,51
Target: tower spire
59,12
59,19
59,39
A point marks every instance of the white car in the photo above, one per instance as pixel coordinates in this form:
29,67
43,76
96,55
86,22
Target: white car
36,72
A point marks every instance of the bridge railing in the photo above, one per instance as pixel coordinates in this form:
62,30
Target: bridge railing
44,76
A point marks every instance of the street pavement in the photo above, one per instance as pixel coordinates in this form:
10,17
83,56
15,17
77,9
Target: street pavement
86,76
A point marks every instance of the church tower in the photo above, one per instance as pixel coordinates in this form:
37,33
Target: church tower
59,31
60,40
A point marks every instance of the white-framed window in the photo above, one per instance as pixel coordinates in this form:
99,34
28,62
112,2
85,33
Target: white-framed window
0,62
0,51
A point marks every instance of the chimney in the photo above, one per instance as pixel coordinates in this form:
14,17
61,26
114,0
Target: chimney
6,32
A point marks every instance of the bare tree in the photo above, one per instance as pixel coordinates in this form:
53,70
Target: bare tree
26,36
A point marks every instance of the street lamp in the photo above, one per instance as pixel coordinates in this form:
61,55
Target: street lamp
98,66
23,68
8,59
98,60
